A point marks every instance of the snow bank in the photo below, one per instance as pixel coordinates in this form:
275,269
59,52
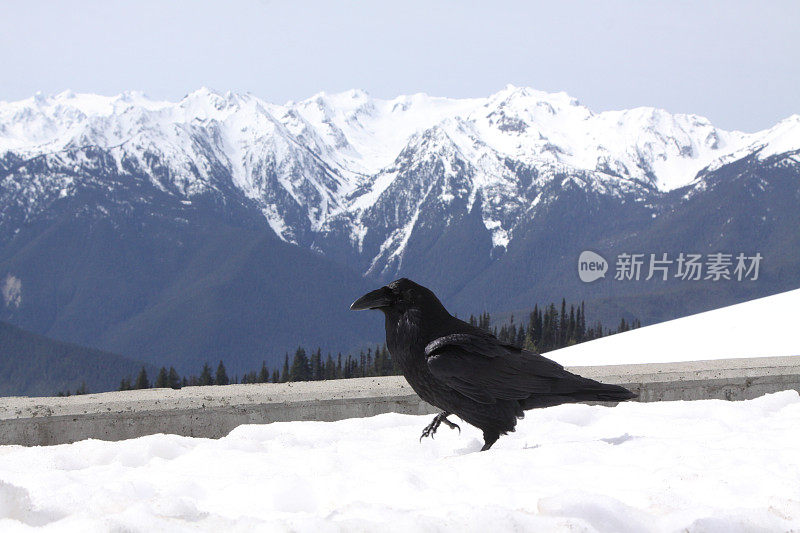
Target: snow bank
766,327
703,466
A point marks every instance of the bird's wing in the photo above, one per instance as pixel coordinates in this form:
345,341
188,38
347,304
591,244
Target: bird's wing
486,345
486,370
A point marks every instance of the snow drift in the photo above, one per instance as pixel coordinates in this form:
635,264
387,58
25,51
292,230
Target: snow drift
759,328
698,466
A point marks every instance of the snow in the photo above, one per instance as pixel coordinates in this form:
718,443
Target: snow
765,327
499,235
781,138
373,130
556,129
674,466
323,161
393,247
710,465
361,135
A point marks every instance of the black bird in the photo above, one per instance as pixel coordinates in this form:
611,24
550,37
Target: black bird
466,371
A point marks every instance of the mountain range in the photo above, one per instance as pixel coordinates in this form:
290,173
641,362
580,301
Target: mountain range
224,226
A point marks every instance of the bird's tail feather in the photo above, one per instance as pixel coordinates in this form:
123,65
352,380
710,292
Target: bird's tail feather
613,393
591,391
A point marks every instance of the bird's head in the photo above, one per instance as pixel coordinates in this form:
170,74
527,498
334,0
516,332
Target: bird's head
398,297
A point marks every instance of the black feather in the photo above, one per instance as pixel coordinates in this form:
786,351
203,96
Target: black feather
468,372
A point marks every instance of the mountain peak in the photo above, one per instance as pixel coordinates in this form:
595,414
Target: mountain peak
203,92
512,93
355,136
65,95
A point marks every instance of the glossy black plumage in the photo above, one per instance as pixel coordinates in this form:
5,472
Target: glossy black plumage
466,371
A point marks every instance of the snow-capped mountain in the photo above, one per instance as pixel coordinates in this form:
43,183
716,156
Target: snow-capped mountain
351,168
223,226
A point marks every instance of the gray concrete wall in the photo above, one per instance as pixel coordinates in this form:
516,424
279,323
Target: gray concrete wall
214,411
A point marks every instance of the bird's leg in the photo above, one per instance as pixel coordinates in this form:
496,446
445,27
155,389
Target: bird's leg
489,438
431,428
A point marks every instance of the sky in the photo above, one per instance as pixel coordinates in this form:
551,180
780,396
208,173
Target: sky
735,62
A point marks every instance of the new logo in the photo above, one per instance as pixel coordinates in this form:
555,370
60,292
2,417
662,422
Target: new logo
591,266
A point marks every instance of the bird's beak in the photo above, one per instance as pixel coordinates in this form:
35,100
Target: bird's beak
373,300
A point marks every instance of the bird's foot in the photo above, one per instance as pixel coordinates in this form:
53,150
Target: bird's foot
431,428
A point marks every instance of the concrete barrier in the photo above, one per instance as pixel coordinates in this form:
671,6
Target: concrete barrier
214,411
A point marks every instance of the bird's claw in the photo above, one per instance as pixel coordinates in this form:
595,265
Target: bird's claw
430,429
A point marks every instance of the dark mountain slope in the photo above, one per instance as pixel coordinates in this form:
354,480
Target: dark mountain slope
34,365
176,284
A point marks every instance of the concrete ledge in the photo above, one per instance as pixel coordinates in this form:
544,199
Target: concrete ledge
214,411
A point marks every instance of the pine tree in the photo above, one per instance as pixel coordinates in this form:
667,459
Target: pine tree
598,330
549,328
503,335
285,371
263,375
368,368
572,326
221,377
125,384
82,389
316,365
301,368
485,321
205,376
173,379
330,368
531,339
162,379
580,326
583,321
521,334
527,342
276,377
141,380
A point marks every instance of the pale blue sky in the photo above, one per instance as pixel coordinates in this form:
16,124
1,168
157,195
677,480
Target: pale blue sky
737,63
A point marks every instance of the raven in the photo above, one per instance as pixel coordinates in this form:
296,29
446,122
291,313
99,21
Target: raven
466,371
